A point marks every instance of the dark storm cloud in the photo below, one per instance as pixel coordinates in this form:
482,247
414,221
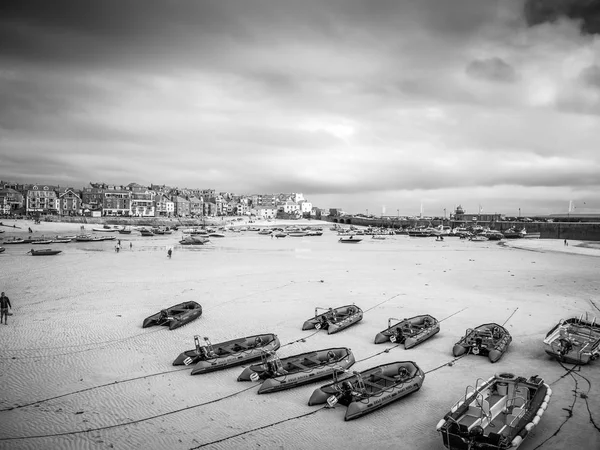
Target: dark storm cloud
585,11
492,69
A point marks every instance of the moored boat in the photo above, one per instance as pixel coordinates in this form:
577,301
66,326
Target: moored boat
208,357
513,233
125,230
84,238
350,240
41,241
194,240
174,316
334,319
574,340
478,238
490,339
496,414
44,252
371,389
285,373
15,241
105,229
410,332
2,249
146,232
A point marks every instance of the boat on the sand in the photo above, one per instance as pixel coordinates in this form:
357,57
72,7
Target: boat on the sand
574,340
194,240
410,332
44,252
490,339
285,373
208,357
334,319
175,316
496,414
371,389
15,241
350,240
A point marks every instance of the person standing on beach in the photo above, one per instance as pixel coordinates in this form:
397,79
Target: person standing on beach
169,253
566,243
131,246
4,305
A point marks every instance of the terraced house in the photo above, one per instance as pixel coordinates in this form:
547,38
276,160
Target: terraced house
69,202
41,200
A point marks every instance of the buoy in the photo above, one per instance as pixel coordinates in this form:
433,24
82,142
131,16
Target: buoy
529,426
440,424
536,420
544,405
517,441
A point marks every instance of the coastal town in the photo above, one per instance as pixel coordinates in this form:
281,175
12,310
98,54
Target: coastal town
136,200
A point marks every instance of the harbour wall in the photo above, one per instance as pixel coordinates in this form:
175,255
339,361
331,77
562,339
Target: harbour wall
583,231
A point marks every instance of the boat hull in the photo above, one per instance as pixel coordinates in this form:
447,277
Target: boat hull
44,252
299,369
177,316
233,359
410,332
490,339
574,341
496,415
383,385
336,320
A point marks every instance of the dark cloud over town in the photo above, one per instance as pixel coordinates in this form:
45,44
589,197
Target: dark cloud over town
355,103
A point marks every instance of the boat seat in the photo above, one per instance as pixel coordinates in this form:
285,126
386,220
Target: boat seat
514,417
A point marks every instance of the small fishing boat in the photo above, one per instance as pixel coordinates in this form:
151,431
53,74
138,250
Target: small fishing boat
280,234
42,241
105,229
379,237
61,240
208,357
491,340
175,316
194,240
314,233
216,235
15,241
84,238
44,252
297,233
285,373
125,230
410,332
513,233
371,389
146,232
334,319
478,238
496,414
574,340
350,240
265,231
2,249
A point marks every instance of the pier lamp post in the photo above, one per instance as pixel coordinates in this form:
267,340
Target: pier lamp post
398,211
519,213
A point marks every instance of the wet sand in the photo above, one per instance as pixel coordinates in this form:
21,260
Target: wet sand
75,352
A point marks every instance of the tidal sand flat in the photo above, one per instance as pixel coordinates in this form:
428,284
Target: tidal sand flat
78,371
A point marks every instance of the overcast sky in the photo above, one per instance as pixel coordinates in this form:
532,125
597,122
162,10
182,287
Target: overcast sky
358,104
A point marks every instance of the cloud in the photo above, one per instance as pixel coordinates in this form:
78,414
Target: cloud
591,76
587,12
492,69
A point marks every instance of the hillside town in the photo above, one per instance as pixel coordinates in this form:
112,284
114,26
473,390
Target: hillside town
136,200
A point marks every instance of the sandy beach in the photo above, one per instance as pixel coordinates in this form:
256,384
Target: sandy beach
74,355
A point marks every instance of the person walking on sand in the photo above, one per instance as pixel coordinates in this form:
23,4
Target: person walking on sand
169,253
4,305
566,243
131,246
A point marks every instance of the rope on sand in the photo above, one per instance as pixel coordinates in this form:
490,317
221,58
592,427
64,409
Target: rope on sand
91,344
131,422
92,388
259,428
